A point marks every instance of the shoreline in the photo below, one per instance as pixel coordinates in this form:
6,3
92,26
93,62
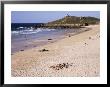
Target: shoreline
39,43
72,56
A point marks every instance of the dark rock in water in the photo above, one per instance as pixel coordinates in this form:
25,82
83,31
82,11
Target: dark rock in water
21,50
26,46
69,36
49,39
43,50
34,46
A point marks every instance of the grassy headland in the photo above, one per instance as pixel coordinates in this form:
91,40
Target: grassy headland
71,22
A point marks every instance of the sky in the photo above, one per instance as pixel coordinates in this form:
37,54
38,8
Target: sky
47,16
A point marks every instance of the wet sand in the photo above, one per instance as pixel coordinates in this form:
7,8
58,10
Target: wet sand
73,56
24,42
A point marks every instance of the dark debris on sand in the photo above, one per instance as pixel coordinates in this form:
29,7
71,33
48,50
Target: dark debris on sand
69,36
49,39
85,43
89,37
61,66
43,50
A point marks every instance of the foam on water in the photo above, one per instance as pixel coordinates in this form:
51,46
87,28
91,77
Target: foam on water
30,31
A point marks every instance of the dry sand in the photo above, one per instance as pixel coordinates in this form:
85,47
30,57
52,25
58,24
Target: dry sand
75,56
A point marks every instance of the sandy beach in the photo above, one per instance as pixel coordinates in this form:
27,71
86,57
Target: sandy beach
73,56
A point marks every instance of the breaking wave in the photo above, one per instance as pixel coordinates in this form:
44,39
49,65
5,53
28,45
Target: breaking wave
30,31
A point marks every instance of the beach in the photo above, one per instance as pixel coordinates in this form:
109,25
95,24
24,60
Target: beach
73,56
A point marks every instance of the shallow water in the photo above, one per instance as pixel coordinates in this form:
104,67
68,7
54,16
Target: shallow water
25,39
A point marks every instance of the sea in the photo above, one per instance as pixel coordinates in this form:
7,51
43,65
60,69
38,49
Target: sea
25,36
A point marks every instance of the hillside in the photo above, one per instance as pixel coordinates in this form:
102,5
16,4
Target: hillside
75,20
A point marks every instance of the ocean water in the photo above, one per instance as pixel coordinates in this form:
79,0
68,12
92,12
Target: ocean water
25,36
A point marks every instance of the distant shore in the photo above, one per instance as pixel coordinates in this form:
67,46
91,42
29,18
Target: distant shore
75,56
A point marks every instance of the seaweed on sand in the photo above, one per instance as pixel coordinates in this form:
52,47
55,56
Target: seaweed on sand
61,66
43,50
